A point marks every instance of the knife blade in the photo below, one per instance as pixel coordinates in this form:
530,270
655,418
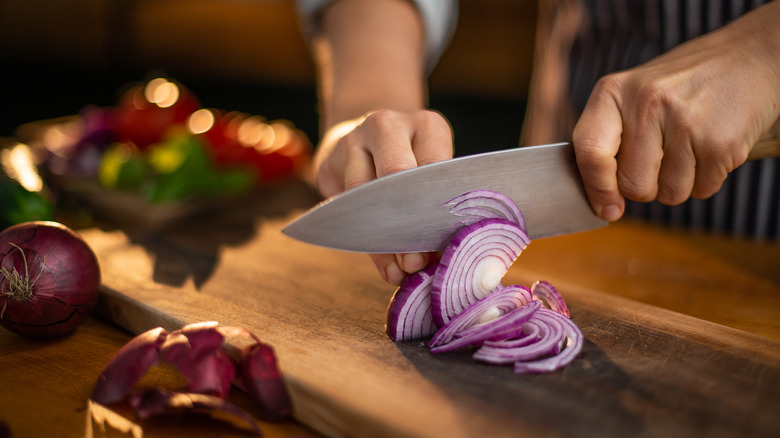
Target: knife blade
407,211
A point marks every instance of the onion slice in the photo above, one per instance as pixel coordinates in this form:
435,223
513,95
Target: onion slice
409,312
500,328
550,297
573,346
492,306
508,351
473,264
483,204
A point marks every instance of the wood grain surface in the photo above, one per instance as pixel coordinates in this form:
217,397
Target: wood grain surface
644,370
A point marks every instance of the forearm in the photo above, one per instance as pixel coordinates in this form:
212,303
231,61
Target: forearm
760,30
369,56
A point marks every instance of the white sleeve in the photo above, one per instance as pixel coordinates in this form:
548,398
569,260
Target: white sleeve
439,18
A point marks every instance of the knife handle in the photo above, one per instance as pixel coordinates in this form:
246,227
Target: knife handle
768,145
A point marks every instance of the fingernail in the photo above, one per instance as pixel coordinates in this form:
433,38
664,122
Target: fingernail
394,274
611,213
412,262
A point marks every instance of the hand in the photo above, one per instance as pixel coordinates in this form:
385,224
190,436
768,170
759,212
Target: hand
378,144
676,126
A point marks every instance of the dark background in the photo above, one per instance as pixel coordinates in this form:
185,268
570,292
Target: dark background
58,56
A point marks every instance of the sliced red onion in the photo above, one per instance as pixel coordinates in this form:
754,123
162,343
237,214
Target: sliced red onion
530,332
573,346
409,312
504,326
550,297
483,204
465,299
492,306
508,351
473,265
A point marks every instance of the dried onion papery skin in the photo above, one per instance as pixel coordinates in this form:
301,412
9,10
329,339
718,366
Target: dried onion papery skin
151,402
128,365
503,327
574,342
473,264
549,296
508,351
483,204
49,281
493,305
409,312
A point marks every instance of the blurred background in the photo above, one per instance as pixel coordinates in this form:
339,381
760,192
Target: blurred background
57,56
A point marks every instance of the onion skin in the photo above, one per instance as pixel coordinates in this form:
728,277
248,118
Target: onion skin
128,365
64,273
152,402
200,352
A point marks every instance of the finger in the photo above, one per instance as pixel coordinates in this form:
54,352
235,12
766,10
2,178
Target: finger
387,137
678,170
596,140
358,168
413,262
432,141
329,182
713,165
388,268
639,157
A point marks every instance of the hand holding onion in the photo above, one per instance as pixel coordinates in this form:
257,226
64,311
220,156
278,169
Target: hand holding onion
49,279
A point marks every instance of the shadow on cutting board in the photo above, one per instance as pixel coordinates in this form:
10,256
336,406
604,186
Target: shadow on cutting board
190,248
584,399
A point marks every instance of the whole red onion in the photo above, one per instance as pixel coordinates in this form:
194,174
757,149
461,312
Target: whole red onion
49,279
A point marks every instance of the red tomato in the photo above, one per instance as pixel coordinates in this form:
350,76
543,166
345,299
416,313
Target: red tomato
222,139
146,112
284,159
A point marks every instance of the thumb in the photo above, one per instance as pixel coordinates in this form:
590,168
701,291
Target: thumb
597,137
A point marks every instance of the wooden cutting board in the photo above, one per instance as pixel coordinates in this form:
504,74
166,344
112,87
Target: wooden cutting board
644,371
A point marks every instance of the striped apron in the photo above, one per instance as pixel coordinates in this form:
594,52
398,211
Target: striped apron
579,41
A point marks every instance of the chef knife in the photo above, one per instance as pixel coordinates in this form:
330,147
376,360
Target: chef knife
407,211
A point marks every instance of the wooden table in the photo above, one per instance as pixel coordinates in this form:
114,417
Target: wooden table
45,384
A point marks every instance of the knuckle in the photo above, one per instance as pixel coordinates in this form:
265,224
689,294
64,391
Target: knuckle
637,188
611,83
590,152
380,120
670,195
391,167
